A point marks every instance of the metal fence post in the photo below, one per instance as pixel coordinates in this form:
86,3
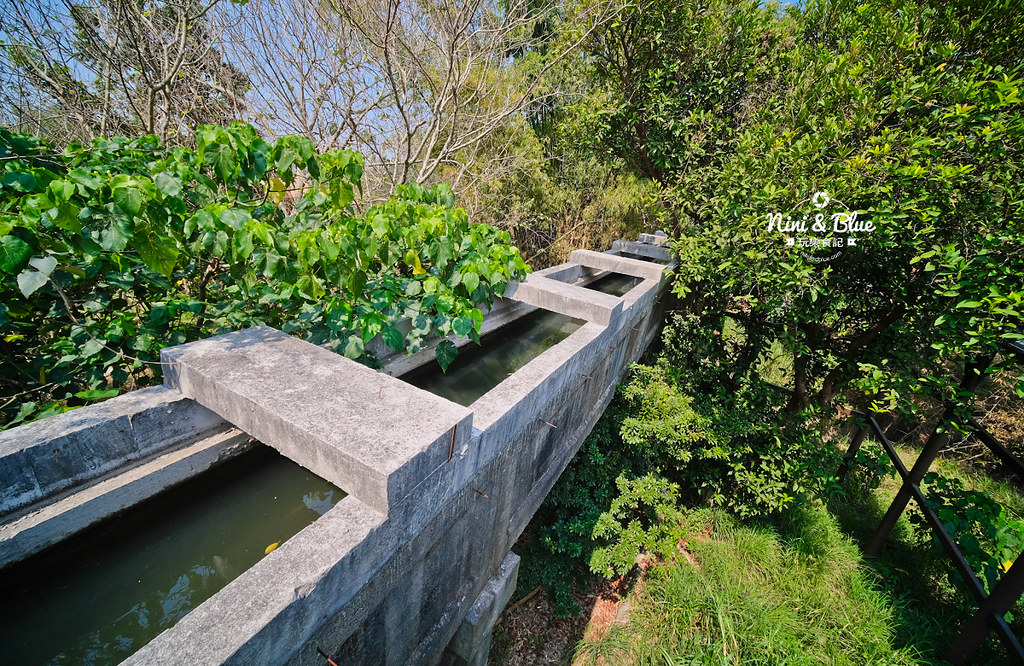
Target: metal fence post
899,503
1003,596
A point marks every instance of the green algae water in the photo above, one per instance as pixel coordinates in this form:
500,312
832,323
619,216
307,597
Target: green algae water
99,597
476,370
615,284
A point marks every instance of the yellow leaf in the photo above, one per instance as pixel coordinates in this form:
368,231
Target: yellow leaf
1006,566
277,190
418,268
271,548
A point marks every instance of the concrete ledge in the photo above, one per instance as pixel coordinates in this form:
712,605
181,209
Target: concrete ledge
567,299
657,238
474,631
514,403
60,519
331,415
42,459
653,252
618,264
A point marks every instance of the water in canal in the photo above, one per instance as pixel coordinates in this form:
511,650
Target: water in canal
476,370
99,597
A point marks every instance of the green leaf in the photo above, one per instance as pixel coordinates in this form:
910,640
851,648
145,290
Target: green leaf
87,180
44,265
969,304
114,237
354,348
19,180
128,199
65,216
342,195
158,252
371,324
471,280
30,281
462,326
445,354
91,347
13,253
242,243
168,183
235,218
97,394
392,337
222,159
62,189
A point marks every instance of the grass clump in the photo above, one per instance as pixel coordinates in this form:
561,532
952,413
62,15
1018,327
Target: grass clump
792,591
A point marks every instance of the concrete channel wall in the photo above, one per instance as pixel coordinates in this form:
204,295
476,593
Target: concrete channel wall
415,564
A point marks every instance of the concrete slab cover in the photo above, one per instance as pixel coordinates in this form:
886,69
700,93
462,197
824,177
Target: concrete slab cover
567,299
624,265
373,435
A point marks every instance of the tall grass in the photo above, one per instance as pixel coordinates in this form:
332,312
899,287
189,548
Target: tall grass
790,592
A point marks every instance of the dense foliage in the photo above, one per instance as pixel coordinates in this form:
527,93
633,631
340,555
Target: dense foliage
907,114
895,114
111,251
989,537
680,433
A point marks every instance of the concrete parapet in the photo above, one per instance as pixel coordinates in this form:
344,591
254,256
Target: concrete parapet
624,265
657,238
33,530
374,436
39,460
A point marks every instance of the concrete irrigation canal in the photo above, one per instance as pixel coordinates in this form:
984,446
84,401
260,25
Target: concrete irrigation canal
276,503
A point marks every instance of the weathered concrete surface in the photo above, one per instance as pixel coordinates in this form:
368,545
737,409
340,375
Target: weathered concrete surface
471,641
567,299
657,238
39,460
609,262
56,520
652,252
373,435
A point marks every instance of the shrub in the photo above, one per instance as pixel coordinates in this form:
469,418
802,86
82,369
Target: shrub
111,251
